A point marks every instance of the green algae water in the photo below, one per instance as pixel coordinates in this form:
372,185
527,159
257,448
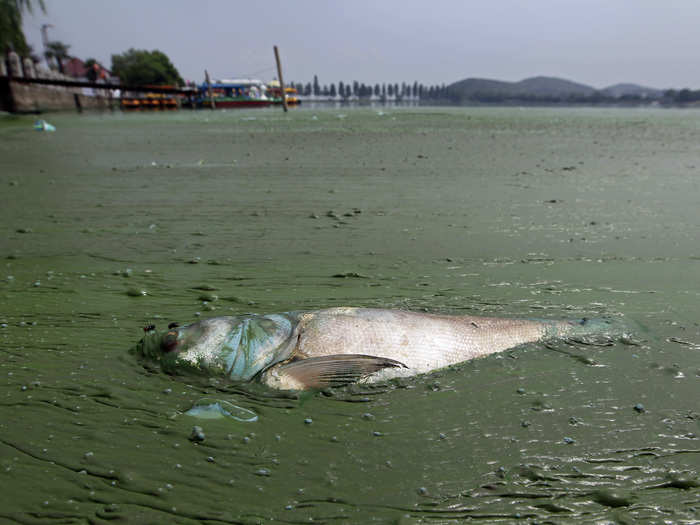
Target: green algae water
117,221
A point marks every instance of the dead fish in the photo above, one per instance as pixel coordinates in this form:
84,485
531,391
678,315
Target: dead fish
335,346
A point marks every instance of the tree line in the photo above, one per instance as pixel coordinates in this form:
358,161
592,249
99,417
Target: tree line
360,90
682,96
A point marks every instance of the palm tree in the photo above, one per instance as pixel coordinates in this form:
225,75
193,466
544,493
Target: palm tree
11,35
58,51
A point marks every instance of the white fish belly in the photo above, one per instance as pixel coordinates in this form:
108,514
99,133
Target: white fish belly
422,342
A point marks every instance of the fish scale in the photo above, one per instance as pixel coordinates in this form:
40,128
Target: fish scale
420,341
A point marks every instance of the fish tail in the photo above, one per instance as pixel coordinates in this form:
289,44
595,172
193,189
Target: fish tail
607,327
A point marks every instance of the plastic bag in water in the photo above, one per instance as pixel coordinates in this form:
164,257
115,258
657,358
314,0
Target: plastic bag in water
208,408
42,125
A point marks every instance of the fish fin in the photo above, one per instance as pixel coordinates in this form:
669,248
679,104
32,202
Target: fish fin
324,371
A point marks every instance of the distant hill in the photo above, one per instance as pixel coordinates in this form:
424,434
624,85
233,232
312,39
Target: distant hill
552,87
542,89
621,90
535,87
470,86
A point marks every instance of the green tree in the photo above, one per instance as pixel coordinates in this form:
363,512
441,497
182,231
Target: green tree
11,34
140,67
685,95
57,51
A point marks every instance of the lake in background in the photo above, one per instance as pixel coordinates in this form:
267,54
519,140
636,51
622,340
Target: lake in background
119,220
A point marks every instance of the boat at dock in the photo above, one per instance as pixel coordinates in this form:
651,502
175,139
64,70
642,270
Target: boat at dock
150,100
275,92
233,93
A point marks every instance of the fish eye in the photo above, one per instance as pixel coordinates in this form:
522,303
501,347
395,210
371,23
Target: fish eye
169,341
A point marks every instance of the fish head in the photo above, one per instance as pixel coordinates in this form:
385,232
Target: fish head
238,347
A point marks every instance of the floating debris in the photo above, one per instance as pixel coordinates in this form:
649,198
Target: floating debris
197,434
205,288
611,499
42,125
208,408
681,482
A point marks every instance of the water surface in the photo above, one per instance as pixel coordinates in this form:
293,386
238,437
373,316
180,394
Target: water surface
120,220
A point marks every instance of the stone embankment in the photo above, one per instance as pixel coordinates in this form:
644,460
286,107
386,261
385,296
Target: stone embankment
18,94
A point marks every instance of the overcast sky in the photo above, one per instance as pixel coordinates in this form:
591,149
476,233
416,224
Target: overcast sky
596,42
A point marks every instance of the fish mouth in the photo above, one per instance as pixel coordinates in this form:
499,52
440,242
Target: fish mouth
158,344
168,349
